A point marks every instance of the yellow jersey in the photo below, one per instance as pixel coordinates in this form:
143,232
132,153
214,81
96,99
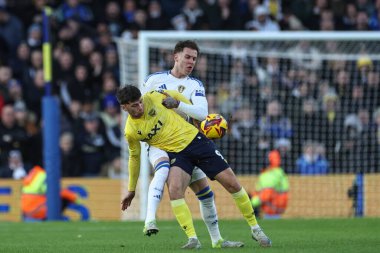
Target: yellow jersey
159,127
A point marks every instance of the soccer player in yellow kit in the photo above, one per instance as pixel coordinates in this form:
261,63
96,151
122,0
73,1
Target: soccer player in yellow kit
185,55
150,121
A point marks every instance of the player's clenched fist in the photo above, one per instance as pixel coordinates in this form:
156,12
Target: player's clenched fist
170,102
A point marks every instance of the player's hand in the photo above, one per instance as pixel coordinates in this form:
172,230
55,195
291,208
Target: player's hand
127,200
170,102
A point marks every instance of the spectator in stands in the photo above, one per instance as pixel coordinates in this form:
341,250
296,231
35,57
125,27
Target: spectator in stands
110,116
34,66
364,65
111,61
171,7
30,11
140,19
351,147
290,22
357,100
223,15
244,132
93,146
113,169
70,157
5,77
97,68
34,36
272,187
232,101
156,17
309,116
262,21
275,123
274,8
349,18
312,161
11,30
72,120
192,16
365,5
372,89
129,12
13,137
310,63
342,86
327,21
74,9
374,19
369,151
362,21
34,93
64,70
113,18
15,168
104,40
21,115
331,124
82,88
86,47
20,62
285,147
266,95
314,19
68,35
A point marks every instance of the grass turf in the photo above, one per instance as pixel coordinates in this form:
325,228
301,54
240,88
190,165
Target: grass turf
360,235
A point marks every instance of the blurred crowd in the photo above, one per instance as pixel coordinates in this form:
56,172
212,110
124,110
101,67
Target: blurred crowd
86,73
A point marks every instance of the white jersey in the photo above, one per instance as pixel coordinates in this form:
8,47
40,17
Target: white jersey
190,87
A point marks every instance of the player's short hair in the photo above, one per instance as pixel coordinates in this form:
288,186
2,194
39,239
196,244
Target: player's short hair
186,43
127,94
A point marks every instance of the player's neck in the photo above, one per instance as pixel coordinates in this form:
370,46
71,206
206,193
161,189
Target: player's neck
174,72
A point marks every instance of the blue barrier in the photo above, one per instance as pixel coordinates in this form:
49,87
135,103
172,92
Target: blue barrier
5,208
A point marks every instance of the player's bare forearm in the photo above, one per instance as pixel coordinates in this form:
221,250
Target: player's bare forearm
126,202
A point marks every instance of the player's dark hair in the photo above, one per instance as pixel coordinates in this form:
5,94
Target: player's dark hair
127,94
185,43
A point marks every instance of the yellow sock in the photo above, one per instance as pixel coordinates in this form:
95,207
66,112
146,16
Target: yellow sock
183,216
242,201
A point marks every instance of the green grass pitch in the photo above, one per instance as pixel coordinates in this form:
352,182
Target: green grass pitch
359,235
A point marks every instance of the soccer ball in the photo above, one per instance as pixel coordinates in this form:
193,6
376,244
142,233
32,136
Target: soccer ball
214,126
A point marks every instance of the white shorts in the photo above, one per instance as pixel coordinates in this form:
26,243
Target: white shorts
155,153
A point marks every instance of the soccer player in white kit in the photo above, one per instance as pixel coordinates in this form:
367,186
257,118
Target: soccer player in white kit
185,56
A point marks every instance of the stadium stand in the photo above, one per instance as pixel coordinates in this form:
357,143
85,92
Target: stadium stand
86,73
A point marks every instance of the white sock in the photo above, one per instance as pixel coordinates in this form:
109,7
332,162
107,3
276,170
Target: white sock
156,190
255,226
209,213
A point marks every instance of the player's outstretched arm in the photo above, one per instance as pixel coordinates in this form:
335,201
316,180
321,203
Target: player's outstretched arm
196,109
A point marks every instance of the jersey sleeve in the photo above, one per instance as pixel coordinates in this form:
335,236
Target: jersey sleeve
147,85
133,162
199,108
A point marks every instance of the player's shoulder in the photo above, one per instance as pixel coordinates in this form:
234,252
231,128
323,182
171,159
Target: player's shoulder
156,75
197,82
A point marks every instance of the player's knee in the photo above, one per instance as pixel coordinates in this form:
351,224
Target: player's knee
176,191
